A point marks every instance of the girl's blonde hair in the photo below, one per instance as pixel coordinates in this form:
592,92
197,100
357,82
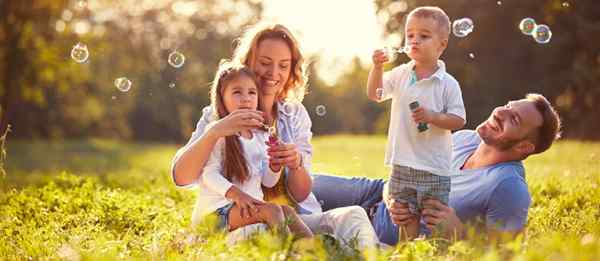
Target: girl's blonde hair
246,51
234,163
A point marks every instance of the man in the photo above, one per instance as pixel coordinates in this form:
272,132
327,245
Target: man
488,186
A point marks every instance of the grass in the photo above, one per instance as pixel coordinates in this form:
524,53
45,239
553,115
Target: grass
99,199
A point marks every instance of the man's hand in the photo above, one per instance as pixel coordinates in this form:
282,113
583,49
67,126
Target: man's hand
400,213
435,213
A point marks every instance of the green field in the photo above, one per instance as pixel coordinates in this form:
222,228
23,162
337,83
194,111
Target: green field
100,199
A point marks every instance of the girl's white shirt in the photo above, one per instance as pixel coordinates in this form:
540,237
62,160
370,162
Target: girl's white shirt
213,185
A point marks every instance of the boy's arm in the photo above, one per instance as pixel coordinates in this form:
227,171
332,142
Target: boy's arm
376,75
441,120
453,115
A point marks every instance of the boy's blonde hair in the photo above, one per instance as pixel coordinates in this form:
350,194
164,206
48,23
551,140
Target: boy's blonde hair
434,13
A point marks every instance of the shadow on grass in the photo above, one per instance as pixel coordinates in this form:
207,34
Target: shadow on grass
36,162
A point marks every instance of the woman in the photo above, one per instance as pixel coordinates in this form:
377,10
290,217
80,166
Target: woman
272,52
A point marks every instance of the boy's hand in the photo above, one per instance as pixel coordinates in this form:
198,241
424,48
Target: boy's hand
422,114
379,58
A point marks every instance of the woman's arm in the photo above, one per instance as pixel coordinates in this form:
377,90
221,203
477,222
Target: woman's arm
299,181
190,160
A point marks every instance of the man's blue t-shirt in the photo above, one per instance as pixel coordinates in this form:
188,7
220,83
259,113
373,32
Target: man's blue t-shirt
495,196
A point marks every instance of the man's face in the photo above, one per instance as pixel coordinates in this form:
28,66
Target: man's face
510,124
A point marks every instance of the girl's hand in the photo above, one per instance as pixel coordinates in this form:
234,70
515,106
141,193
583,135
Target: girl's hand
237,121
246,203
282,154
422,114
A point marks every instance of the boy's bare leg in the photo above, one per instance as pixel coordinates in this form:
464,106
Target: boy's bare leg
297,226
409,231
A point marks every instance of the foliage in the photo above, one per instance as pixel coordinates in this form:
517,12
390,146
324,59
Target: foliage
100,199
45,94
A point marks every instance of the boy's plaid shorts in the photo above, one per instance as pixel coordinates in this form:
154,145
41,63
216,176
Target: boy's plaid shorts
413,186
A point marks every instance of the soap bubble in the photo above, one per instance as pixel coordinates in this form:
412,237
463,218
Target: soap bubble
80,53
287,108
321,110
527,25
542,34
472,55
391,52
172,85
123,84
82,4
176,59
565,4
462,27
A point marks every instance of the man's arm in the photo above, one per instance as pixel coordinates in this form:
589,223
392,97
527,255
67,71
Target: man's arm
506,213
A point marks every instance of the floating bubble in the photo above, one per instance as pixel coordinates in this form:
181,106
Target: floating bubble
172,85
379,93
321,110
527,25
176,59
542,34
123,84
499,2
391,52
471,55
462,27
565,4
81,4
287,108
80,53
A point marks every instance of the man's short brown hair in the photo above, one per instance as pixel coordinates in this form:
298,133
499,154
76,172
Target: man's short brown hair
434,13
549,131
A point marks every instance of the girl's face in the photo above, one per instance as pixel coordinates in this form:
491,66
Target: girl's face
273,65
240,93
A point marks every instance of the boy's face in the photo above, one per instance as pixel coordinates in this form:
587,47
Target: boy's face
240,93
424,36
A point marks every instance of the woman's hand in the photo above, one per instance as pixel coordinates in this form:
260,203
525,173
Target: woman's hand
237,121
281,154
246,203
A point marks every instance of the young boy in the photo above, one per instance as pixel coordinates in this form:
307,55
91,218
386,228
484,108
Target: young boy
426,105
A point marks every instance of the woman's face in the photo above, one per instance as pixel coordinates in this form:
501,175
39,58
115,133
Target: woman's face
273,65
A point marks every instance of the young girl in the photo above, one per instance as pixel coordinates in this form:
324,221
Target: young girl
238,165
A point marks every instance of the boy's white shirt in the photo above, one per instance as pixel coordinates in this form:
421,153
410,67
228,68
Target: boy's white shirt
213,185
430,150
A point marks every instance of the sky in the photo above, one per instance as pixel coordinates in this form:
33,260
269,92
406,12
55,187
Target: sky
337,29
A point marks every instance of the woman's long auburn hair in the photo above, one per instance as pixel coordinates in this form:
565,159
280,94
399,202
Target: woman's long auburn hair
235,166
247,47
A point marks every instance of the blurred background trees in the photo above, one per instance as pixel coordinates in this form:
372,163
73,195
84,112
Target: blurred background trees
45,94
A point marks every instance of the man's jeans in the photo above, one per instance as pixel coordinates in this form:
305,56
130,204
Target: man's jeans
335,192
